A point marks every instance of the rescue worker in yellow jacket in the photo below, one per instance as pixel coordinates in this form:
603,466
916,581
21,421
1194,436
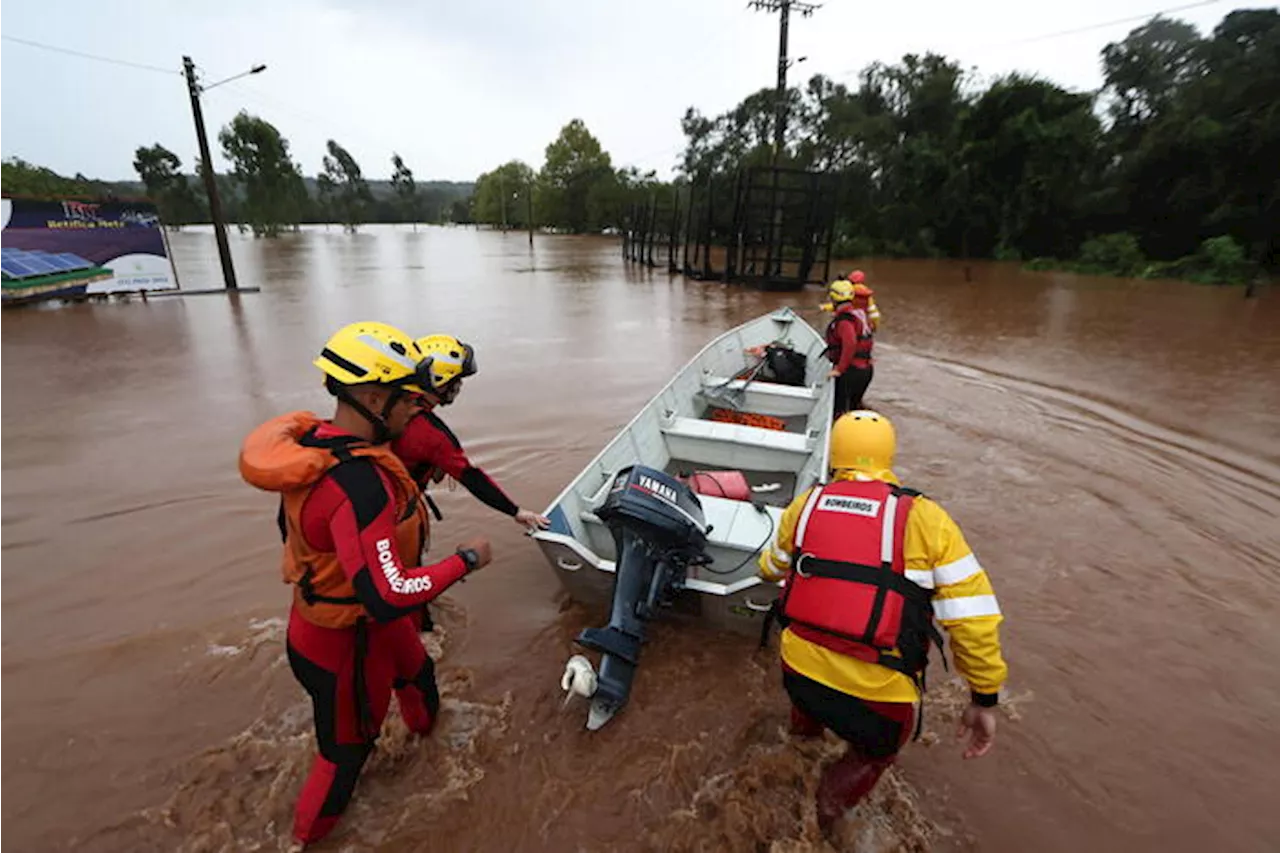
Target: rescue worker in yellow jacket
868,566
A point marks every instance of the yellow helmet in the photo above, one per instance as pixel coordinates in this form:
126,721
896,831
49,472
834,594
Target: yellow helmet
446,360
840,290
369,352
864,441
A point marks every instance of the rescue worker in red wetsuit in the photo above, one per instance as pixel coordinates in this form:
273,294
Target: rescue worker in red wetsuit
849,344
431,451
868,566
351,516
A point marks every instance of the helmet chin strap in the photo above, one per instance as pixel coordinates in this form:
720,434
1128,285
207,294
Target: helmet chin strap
448,395
381,430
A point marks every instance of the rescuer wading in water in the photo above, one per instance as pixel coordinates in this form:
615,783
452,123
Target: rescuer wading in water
431,451
868,566
351,514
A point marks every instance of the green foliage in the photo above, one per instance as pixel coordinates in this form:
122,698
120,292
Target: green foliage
345,187
160,171
504,196
18,177
1113,254
406,190
1219,260
274,195
577,189
575,184
460,212
932,164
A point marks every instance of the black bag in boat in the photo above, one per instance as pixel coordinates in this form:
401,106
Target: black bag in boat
783,365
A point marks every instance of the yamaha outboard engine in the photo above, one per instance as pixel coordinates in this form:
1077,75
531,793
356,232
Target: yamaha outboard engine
658,532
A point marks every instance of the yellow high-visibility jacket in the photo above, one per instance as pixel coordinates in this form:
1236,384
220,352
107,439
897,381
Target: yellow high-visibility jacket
936,557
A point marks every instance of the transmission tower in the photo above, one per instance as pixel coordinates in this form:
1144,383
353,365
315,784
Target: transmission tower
785,7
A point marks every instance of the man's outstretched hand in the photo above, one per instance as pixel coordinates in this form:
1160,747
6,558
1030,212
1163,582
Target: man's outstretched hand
527,518
980,724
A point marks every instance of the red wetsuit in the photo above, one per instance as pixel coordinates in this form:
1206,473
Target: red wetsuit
350,673
849,345
429,449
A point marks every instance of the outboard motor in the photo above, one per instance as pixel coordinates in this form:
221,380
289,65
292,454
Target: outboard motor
658,531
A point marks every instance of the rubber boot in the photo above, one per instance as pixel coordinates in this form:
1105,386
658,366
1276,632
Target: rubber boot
844,783
804,726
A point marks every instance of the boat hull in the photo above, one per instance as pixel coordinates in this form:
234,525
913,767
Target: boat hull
676,431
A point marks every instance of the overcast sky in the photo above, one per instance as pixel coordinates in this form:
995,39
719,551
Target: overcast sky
460,87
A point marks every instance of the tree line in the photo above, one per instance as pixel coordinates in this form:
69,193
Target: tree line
1173,167
577,189
265,191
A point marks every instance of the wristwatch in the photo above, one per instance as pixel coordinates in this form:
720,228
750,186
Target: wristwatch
470,557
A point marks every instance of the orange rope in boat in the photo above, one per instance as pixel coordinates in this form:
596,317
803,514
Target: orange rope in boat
748,419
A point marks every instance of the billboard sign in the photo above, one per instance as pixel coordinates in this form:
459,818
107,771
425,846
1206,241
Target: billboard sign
54,249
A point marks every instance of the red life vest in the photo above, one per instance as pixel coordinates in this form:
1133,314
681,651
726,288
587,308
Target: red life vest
864,339
847,590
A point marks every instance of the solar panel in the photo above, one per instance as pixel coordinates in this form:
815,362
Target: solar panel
58,263
17,269
24,263
78,262
38,264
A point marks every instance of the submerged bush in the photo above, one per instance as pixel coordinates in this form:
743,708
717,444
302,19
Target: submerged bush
1220,260
1112,254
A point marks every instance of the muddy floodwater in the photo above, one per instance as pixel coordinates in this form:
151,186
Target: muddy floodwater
1111,449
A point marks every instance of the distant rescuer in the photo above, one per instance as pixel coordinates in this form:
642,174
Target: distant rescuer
350,511
873,311
849,344
868,566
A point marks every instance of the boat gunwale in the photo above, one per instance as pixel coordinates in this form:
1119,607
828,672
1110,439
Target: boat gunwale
785,315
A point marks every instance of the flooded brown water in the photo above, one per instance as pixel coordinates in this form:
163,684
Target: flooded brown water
1111,448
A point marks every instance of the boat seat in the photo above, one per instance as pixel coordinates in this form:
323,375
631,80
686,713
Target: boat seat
771,439
795,392
738,524
735,445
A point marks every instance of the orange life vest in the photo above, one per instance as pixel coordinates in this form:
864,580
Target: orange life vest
284,455
847,589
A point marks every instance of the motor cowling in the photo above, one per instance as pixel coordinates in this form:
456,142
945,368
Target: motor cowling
658,530
657,505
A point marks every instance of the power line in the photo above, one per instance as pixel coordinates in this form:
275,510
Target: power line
1144,17
83,55
1128,20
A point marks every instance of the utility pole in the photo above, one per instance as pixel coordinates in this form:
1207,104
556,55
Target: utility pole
502,198
785,7
528,199
210,185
